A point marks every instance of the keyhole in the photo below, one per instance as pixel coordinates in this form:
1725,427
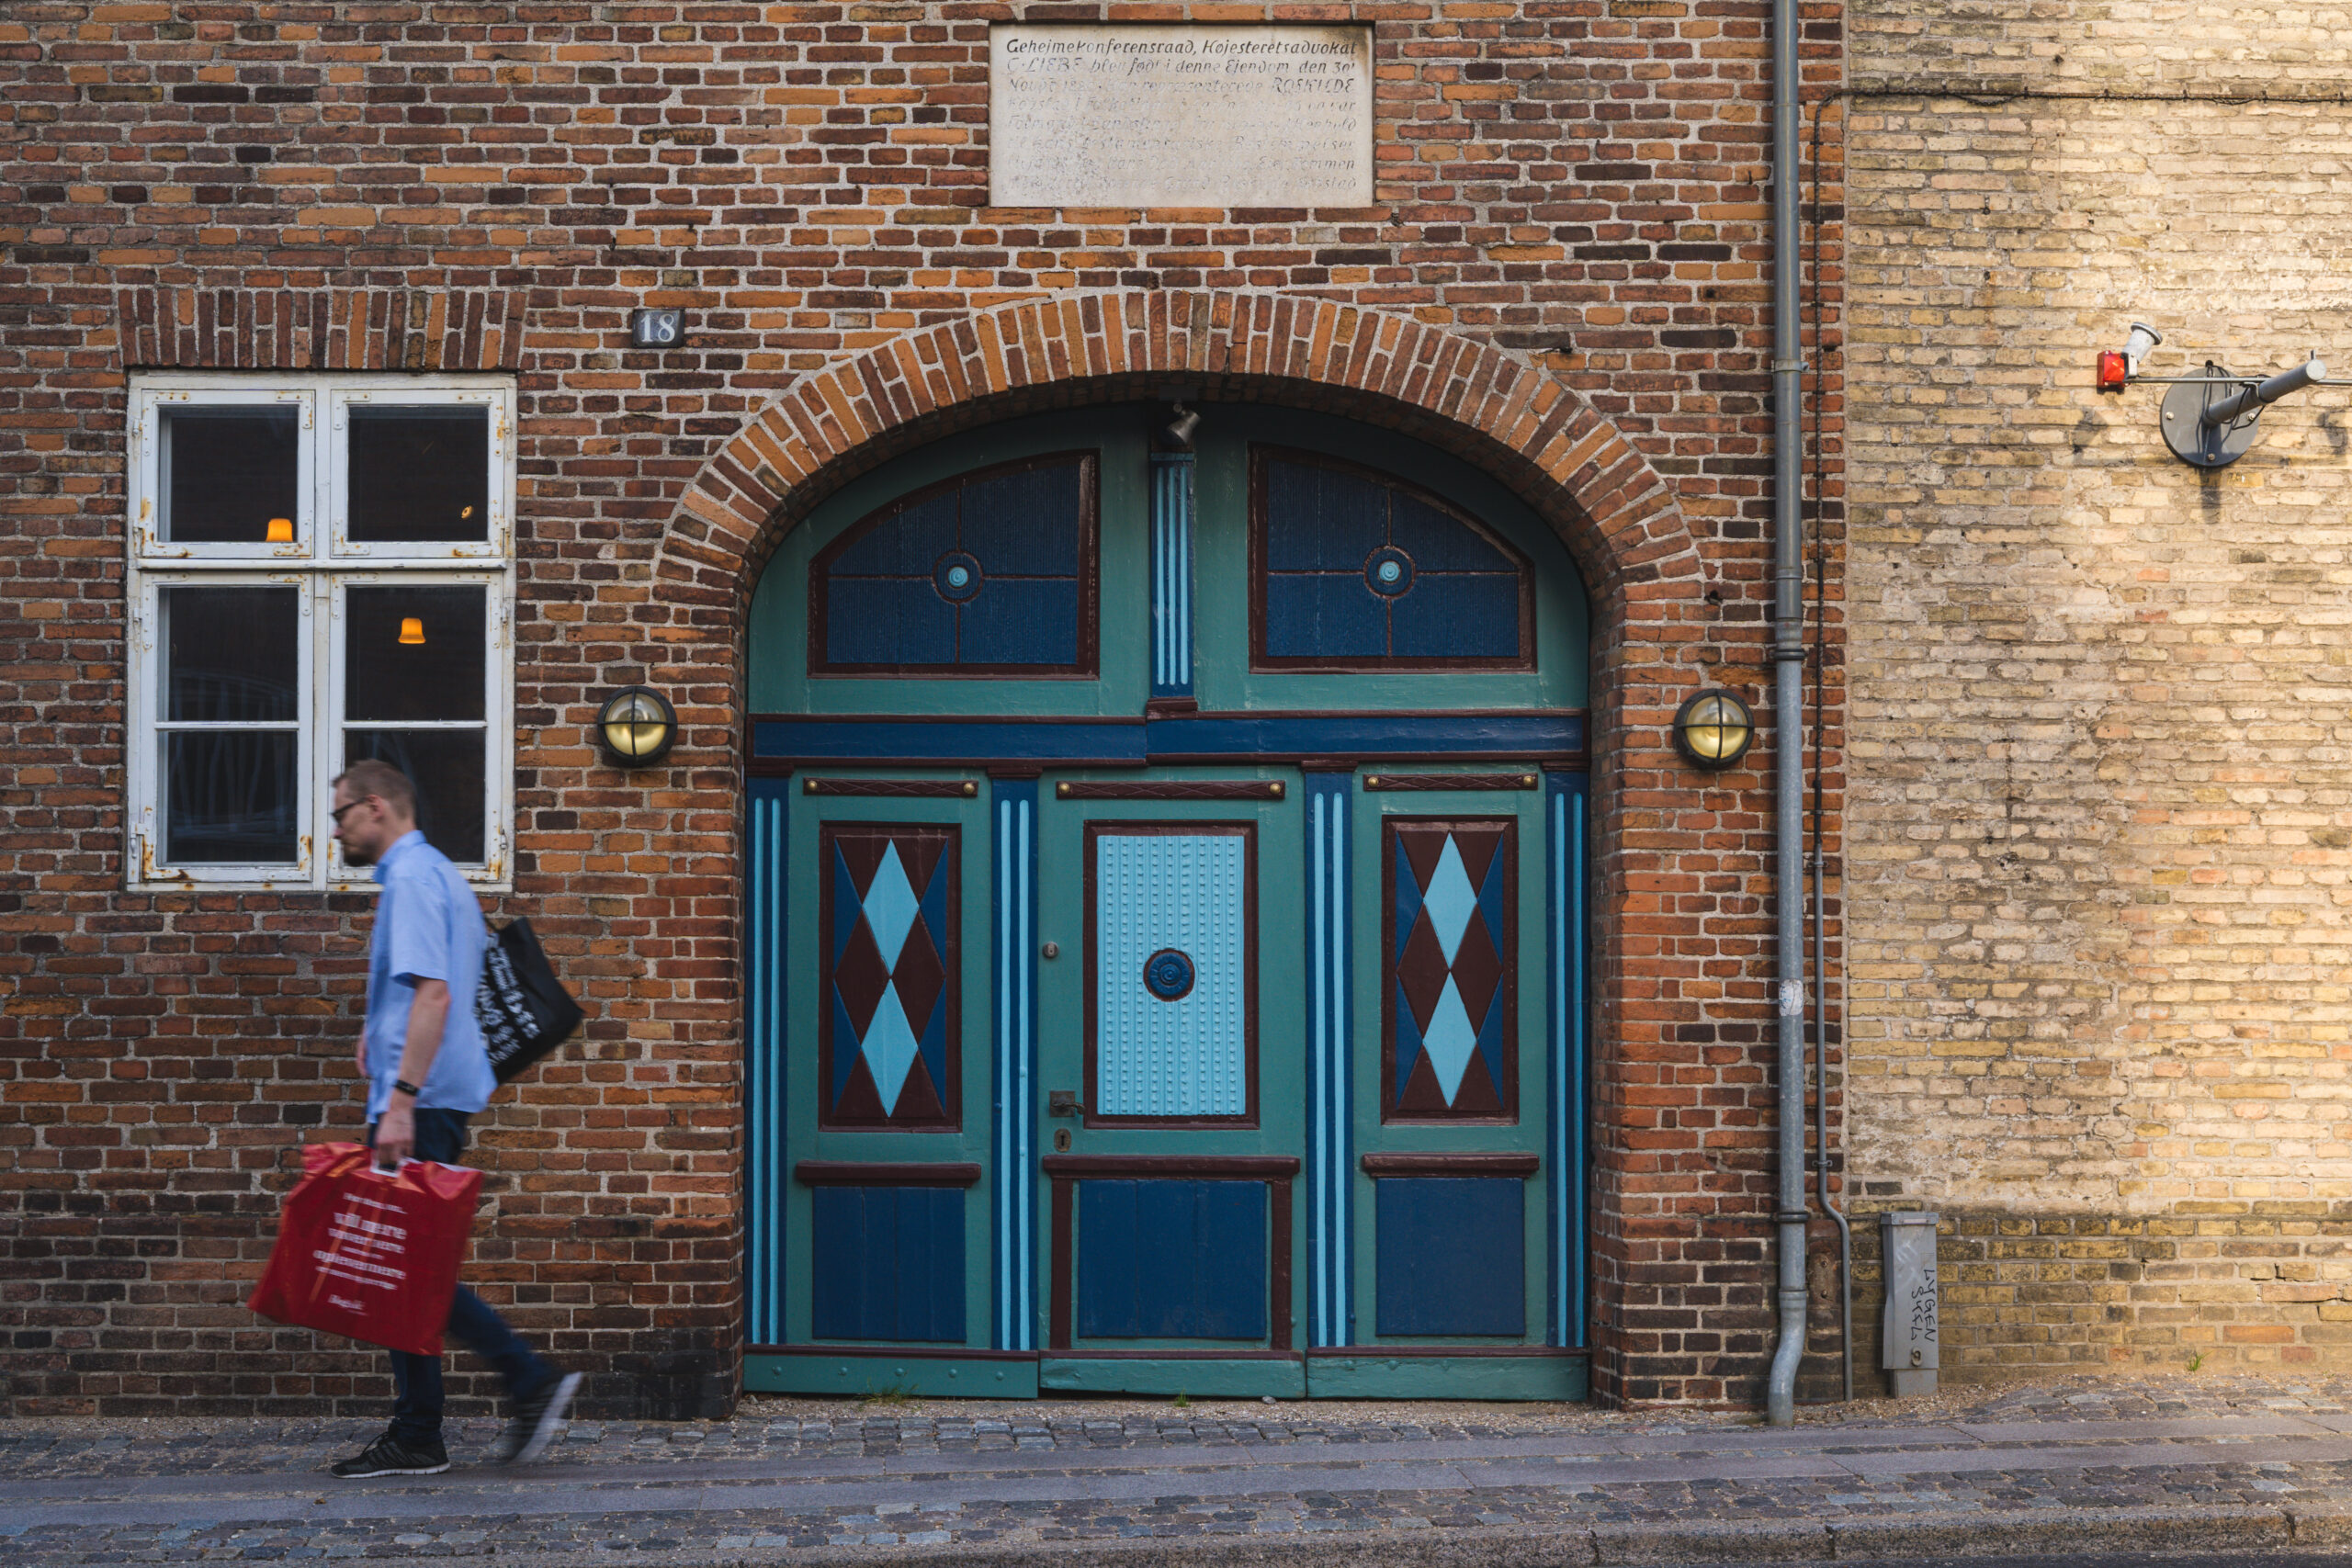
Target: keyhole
1062,1140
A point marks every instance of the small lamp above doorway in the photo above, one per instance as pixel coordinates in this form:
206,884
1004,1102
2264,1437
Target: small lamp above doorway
637,727
1714,729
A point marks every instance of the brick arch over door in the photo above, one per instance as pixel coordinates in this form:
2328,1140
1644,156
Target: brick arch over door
1619,520
1618,517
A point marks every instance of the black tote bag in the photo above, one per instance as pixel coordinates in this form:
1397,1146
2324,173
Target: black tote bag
524,1010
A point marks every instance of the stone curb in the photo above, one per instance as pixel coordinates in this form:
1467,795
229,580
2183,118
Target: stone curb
2101,1531
2321,1525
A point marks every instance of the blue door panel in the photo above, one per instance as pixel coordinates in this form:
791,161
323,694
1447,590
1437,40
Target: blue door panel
887,1263
1453,1254
1172,1259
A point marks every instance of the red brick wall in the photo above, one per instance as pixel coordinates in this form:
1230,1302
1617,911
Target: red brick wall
1565,281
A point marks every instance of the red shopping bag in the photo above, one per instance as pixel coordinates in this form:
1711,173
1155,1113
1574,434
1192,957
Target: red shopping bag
367,1253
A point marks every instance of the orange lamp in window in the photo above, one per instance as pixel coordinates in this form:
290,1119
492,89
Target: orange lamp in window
413,631
281,530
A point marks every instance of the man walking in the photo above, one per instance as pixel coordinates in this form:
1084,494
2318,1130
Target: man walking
427,1074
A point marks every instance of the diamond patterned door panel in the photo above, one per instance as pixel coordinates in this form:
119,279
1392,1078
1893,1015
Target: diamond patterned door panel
890,1039
1449,1023
867,1042
1463,1225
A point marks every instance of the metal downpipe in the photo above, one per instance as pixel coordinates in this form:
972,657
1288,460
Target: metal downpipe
1787,718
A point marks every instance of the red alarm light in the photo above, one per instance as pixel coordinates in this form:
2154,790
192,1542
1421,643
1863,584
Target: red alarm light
2114,370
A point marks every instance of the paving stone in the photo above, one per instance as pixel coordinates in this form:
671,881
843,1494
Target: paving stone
644,1491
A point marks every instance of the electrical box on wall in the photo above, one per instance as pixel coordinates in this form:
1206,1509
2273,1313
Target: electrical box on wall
1907,1343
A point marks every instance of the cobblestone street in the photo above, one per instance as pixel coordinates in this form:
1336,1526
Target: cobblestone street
2185,1463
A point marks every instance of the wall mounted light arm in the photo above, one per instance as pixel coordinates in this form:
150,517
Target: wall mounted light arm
2224,380
2202,429
2253,397
2208,428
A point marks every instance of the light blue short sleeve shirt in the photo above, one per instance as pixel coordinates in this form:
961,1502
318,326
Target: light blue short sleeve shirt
429,926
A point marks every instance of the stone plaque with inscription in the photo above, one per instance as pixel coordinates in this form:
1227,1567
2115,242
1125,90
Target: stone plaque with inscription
1179,115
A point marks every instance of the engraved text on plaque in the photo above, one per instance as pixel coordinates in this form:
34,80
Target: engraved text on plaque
1165,114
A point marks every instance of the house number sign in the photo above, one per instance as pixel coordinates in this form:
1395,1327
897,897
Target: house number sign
659,327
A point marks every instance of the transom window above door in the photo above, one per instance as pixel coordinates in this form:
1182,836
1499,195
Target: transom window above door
1352,568
991,573
1075,565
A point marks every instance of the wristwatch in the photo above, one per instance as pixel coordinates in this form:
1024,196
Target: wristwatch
401,1086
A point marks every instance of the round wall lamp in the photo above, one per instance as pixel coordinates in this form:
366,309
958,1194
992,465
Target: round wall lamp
635,727
1714,729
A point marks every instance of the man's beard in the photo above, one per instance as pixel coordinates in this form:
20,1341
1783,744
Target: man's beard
357,857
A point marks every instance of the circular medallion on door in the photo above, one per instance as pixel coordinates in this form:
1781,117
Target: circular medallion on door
1169,975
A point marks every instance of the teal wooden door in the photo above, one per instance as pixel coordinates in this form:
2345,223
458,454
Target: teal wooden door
1169,1013
1464,1212
1163,922
877,1230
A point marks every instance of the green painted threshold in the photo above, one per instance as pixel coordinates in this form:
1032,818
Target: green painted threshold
1375,1376
1366,1376
1206,1377
930,1376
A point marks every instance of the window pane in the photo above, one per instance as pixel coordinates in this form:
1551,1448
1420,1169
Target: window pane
414,653
228,797
227,473
419,475
445,765
232,655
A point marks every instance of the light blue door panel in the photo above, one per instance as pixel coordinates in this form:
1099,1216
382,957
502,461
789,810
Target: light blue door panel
1171,967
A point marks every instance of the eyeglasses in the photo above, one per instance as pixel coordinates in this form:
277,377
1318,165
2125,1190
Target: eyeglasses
336,815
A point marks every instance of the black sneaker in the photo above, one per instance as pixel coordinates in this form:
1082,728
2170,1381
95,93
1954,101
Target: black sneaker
536,1419
393,1455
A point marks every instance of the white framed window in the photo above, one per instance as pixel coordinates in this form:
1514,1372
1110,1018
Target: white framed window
321,570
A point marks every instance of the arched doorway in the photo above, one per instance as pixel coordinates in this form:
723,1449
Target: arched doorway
1165,882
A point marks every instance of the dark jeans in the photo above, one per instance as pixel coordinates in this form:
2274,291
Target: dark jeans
416,1415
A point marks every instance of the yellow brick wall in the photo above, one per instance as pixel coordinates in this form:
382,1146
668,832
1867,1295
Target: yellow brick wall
2099,831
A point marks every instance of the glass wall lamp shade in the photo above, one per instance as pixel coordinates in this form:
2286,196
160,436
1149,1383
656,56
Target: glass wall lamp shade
412,630
1714,729
637,727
